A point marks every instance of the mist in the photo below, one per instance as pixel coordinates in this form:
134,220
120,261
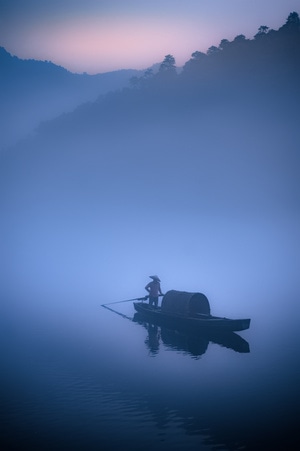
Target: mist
35,91
192,175
208,201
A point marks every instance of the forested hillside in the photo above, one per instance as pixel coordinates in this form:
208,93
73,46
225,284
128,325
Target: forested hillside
263,71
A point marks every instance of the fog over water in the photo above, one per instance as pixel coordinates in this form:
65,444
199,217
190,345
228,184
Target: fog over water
188,202
197,185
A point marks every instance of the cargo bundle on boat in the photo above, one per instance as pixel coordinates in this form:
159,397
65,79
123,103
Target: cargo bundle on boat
180,308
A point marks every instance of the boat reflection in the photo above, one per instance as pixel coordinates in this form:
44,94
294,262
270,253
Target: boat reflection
187,341
153,339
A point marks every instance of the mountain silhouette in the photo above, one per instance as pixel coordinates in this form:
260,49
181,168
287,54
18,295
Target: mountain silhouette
33,91
262,70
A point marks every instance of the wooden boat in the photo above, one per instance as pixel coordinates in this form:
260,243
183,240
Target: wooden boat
188,340
190,310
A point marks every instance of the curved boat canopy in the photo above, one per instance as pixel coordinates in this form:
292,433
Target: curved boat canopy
184,303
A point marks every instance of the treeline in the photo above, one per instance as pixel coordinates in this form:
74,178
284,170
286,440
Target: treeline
256,72
270,53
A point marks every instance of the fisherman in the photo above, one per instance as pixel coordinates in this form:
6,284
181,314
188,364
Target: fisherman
154,290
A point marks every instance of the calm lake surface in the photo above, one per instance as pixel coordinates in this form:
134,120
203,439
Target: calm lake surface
78,376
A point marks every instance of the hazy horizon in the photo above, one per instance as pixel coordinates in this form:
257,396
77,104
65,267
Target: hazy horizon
98,37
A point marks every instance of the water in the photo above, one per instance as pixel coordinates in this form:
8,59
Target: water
78,376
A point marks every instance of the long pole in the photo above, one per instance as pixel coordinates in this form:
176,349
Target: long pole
115,311
127,300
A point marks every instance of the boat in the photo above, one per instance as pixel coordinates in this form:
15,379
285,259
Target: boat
187,340
189,310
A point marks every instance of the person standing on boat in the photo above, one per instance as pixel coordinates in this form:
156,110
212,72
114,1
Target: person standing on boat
154,290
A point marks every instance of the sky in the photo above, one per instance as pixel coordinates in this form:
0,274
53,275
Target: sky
97,36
